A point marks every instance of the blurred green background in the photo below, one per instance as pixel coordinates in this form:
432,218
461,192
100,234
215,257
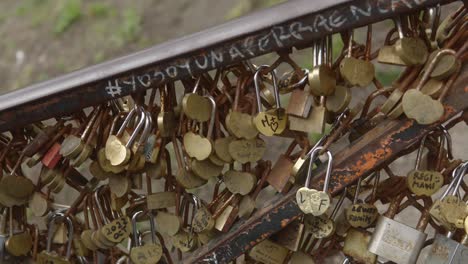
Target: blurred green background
41,39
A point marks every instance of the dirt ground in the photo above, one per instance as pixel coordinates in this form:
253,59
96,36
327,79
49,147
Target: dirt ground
41,39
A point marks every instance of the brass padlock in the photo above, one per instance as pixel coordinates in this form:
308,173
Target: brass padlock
148,253
47,256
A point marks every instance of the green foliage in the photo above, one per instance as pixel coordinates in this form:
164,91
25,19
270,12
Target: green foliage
387,75
69,14
98,57
245,6
100,10
131,25
28,6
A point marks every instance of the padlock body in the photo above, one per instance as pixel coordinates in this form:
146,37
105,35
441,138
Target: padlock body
445,250
396,241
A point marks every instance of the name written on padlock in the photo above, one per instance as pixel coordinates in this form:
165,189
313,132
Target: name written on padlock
117,230
425,182
392,237
361,215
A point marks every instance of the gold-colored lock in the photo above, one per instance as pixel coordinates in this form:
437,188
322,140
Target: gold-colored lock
197,146
322,79
148,253
47,256
273,121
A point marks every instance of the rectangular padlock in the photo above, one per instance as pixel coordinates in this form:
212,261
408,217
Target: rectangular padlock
52,156
280,174
447,251
396,241
355,246
269,252
161,200
300,103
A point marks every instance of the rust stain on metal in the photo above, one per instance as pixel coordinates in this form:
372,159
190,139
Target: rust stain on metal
285,222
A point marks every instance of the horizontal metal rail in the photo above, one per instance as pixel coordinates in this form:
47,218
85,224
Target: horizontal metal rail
376,148
292,24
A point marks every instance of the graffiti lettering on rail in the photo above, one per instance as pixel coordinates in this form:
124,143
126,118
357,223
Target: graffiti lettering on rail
277,37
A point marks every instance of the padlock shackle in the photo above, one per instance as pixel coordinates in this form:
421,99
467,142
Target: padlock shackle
146,130
417,164
457,177
209,135
197,84
139,127
448,140
136,241
257,87
98,204
394,206
432,65
350,43
358,189
91,122
339,204
52,222
126,121
433,19
313,156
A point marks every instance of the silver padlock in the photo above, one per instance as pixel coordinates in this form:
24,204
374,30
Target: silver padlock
447,251
3,234
395,241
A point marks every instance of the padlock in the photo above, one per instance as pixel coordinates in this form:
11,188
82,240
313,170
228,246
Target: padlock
355,246
395,241
203,221
268,252
184,176
226,216
282,170
138,159
357,72
453,209
186,239
118,152
198,146
161,200
411,50
52,156
3,234
322,79
311,201
195,106
73,145
422,107
323,226
424,182
247,204
448,27
148,253
240,124
300,101
449,198
47,256
273,121
447,251
361,214
90,142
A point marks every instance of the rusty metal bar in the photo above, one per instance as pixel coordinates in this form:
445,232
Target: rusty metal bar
292,24
375,149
